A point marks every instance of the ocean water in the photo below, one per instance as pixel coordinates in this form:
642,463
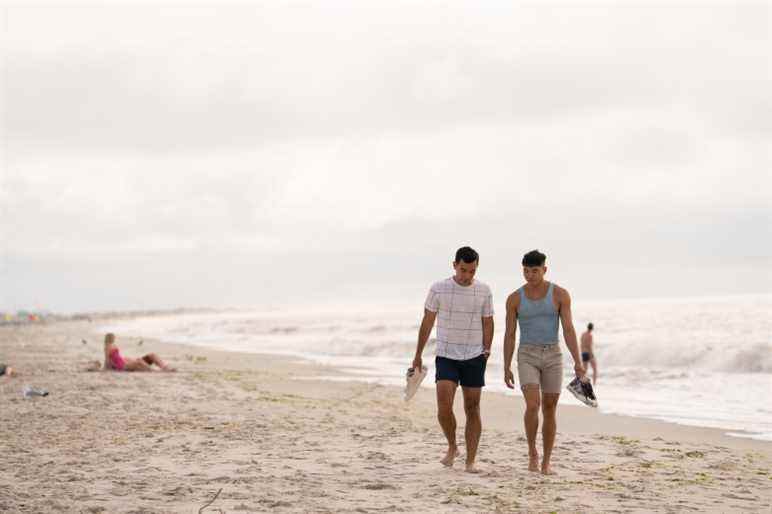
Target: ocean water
694,361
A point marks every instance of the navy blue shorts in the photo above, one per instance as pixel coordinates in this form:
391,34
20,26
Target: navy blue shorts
469,373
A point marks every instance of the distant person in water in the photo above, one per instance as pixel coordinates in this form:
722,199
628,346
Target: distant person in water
539,307
7,371
588,351
115,361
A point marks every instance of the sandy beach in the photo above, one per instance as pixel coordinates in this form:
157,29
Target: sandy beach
264,434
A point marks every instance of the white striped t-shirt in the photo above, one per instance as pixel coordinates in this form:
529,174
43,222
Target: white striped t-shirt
460,310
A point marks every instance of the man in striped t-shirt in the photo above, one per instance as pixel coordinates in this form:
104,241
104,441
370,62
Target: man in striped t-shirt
463,308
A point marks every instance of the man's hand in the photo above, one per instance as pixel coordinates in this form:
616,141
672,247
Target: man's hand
487,353
418,363
509,379
579,370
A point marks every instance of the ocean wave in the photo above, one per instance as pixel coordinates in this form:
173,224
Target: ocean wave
685,336
756,359
731,358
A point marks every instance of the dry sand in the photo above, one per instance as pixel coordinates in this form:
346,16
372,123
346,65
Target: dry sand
269,437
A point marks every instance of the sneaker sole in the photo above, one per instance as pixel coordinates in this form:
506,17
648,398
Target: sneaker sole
582,398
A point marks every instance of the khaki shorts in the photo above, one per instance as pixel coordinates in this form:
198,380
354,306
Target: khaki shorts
541,365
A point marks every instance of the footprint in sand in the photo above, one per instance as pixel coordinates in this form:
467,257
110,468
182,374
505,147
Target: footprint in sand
378,486
738,497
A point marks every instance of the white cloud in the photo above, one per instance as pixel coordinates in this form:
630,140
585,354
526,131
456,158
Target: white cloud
291,130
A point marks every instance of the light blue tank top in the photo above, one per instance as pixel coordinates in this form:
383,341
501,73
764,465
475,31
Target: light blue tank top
538,319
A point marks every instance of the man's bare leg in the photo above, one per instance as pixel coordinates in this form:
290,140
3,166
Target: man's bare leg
473,425
532,395
446,392
549,428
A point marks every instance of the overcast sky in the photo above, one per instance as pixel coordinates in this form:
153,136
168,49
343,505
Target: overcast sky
280,154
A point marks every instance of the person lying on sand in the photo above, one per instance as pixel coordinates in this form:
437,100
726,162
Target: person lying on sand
7,371
115,361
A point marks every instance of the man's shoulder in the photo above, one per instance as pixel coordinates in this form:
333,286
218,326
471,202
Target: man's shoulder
560,291
441,285
482,287
514,296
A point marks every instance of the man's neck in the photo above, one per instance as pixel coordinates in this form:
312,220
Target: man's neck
462,285
536,287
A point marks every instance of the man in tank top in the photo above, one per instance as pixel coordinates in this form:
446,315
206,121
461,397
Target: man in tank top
538,306
463,308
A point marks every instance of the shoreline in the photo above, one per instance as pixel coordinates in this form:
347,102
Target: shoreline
340,374
637,425
272,437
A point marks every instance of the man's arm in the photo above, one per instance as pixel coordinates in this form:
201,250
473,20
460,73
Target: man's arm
423,335
487,328
569,334
509,338
486,316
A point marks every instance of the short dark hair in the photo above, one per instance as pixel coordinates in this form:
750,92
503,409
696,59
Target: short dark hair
590,326
534,258
466,254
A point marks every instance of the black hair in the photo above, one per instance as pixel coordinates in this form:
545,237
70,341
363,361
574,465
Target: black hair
466,254
590,326
534,258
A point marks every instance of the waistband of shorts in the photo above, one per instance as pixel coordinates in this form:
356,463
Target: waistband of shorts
538,346
438,356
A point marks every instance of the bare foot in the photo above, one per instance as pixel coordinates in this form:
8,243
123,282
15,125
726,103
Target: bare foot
93,366
533,463
471,468
169,369
450,457
545,469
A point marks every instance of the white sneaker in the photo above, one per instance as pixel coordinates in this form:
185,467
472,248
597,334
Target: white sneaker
413,379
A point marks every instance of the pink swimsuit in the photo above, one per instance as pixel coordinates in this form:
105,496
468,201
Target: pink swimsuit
116,359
